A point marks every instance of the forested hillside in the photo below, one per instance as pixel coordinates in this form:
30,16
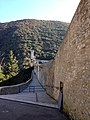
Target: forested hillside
21,36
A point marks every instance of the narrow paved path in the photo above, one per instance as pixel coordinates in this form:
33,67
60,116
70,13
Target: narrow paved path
34,94
17,107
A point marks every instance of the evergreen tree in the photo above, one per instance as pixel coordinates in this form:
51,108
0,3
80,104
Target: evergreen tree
2,76
27,60
26,56
12,66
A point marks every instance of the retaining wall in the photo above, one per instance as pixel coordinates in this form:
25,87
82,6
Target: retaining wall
45,74
14,88
72,66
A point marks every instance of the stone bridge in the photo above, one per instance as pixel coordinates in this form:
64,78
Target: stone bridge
69,72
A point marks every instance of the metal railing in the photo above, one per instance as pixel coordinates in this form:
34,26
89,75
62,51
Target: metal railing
41,89
36,89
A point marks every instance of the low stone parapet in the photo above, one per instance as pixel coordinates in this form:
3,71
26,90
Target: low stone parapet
14,89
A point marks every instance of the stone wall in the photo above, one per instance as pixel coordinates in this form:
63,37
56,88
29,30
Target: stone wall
14,89
72,66
45,74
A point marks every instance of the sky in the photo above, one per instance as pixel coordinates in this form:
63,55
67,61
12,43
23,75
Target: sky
60,10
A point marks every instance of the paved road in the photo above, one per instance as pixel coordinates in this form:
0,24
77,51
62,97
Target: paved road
36,96
10,110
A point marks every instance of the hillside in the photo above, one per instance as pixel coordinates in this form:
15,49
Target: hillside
24,35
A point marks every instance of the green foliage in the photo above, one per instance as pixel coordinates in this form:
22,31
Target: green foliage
26,57
21,77
26,63
2,76
27,60
12,66
44,37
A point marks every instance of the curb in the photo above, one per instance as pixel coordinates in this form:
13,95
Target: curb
31,102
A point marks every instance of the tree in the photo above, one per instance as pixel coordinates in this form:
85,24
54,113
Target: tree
27,60
12,66
2,76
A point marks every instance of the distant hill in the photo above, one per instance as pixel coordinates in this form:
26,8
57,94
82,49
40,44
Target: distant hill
44,37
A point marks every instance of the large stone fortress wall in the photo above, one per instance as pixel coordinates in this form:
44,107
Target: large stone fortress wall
72,66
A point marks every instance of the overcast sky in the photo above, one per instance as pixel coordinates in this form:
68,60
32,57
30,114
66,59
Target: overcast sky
61,10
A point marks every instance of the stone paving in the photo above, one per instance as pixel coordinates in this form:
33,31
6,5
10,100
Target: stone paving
34,94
